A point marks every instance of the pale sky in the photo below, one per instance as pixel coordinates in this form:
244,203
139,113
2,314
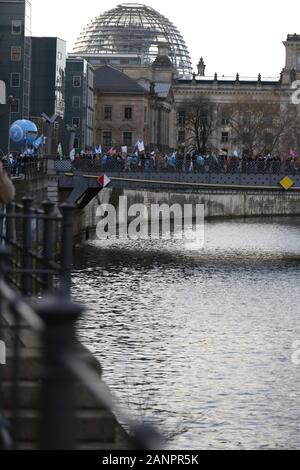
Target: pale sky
232,36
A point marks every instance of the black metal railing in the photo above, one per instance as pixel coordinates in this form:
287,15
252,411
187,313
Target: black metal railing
209,166
28,167
40,242
35,280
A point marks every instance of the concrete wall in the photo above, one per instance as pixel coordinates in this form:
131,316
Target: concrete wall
217,204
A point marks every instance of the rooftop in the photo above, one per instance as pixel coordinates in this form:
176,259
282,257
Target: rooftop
132,28
110,80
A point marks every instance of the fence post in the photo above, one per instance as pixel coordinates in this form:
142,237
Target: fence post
5,435
58,388
10,224
48,241
67,247
27,246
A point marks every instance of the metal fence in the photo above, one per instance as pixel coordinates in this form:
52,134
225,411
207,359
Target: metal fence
40,243
26,167
220,166
35,279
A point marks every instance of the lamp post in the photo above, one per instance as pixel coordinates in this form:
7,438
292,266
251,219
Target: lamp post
10,101
50,121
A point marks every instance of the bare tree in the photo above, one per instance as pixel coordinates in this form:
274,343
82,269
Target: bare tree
261,127
199,124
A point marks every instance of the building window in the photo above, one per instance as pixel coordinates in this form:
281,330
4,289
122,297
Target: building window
59,56
127,139
146,115
16,54
128,113
181,137
108,113
76,102
268,120
15,106
76,143
76,122
77,82
107,139
225,120
15,80
182,118
16,27
225,137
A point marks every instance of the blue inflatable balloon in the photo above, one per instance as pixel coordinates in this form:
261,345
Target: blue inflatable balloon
23,132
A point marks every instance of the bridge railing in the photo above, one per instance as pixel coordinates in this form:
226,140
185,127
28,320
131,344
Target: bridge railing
235,166
27,167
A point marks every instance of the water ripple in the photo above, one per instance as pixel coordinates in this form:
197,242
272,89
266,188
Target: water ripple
199,341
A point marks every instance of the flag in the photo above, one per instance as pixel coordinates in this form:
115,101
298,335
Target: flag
236,154
124,149
110,152
38,142
293,153
98,151
72,155
59,150
141,146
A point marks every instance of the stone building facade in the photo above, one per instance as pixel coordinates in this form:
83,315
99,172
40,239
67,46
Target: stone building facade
130,105
158,99
223,91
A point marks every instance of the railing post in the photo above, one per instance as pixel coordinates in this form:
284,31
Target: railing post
58,392
48,241
27,247
5,435
10,224
67,247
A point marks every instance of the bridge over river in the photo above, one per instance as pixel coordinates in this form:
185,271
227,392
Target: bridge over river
274,189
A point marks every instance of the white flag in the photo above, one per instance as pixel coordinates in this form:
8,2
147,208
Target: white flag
72,155
59,150
141,146
124,149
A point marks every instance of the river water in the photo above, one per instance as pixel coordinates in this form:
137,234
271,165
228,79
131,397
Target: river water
199,341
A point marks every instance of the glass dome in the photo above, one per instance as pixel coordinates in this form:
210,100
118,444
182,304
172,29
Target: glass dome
137,30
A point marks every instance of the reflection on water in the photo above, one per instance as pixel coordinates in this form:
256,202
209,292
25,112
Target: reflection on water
199,342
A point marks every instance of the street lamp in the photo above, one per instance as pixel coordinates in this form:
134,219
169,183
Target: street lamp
50,121
10,101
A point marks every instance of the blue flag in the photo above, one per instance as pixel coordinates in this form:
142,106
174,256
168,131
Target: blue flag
38,142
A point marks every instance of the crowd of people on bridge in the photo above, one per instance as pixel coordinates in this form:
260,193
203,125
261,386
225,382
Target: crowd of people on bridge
175,161
16,162
190,162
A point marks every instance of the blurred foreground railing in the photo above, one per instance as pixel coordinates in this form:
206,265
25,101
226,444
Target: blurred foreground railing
35,278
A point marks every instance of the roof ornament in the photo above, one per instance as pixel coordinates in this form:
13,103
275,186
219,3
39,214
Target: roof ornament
201,68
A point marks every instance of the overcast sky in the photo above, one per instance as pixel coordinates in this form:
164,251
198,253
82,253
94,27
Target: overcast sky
232,36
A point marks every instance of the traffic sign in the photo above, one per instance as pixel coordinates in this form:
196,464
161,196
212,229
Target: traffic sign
104,181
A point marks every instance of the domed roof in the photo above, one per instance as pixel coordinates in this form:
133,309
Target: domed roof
134,29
